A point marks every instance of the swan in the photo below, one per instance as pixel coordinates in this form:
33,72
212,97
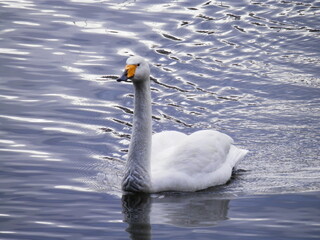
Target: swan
171,160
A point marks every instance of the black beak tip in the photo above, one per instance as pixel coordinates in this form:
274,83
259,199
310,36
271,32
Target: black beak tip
123,78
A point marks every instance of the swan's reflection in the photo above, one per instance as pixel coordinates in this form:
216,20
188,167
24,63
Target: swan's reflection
179,209
136,210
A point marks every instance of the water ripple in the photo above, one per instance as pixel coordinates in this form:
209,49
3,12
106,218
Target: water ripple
247,68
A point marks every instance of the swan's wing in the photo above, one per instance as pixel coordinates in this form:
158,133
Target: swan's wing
235,155
202,151
197,162
164,140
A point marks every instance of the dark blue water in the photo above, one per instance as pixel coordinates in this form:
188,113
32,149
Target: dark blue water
247,68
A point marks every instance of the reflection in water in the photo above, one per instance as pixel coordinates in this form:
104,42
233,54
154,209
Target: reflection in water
201,209
136,209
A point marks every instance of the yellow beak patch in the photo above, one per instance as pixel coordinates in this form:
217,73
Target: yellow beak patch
131,69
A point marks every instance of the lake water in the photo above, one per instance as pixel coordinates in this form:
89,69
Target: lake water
250,69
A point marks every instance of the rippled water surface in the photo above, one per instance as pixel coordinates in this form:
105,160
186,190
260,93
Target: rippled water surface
250,69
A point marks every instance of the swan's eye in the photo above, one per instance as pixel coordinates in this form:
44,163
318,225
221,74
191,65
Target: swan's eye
138,64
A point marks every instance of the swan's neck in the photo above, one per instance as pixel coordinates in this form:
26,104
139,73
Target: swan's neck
137,174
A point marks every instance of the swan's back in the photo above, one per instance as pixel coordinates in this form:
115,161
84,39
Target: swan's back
164,140
192,162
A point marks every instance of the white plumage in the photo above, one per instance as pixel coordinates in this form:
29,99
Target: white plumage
192,162
170,160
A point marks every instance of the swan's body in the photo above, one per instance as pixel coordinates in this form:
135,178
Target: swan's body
172,161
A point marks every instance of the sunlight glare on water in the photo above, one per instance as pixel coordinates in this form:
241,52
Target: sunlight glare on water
249,69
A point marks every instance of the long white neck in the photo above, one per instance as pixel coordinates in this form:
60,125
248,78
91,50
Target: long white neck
137,173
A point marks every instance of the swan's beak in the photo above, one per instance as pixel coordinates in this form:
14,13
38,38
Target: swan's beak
124,77
128,73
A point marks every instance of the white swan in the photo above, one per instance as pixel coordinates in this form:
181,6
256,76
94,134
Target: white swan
170,160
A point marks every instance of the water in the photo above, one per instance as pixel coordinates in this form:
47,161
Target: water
247,68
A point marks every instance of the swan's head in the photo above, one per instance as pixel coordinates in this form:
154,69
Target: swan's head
137,69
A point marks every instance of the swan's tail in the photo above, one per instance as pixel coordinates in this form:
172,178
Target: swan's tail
235,156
